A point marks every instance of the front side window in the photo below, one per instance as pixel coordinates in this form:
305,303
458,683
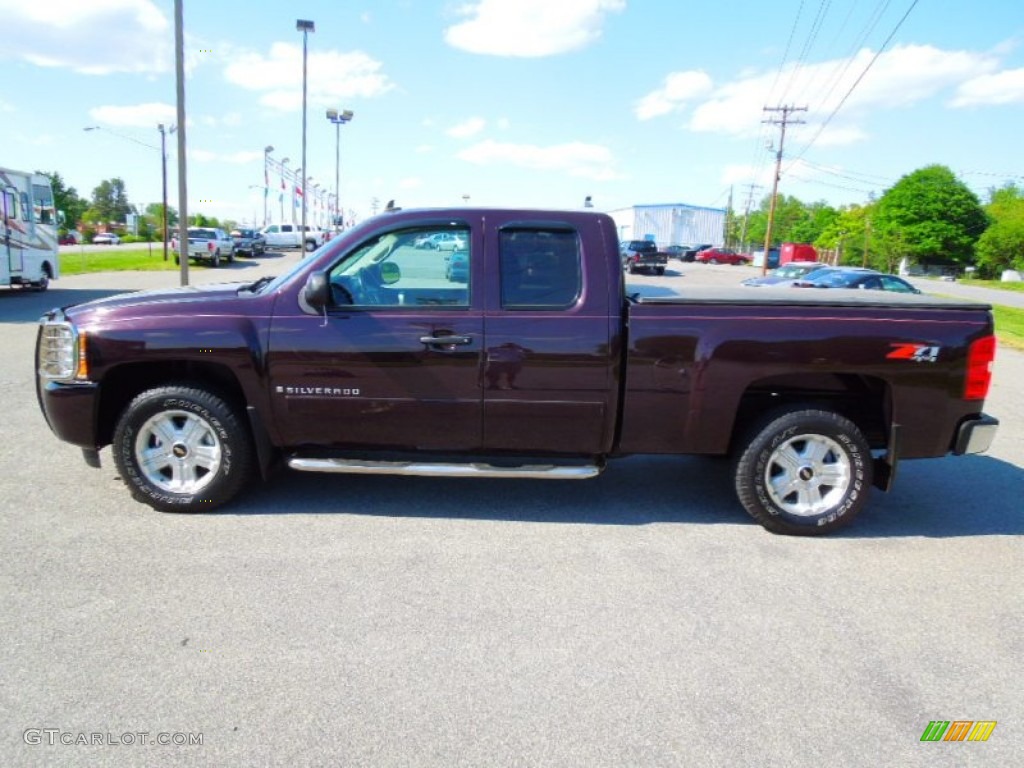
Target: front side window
414,267
540,268
44,210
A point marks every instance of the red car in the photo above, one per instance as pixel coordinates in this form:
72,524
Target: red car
723,256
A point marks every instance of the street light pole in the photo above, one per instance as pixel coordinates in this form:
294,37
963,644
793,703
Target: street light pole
305,27
266,179
339,119
284,162
163,169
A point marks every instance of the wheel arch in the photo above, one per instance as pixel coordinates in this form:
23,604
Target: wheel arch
864,400
125,382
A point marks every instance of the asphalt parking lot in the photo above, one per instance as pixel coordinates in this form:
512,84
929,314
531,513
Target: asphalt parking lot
639,619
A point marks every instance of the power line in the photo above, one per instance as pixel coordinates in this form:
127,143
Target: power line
856,82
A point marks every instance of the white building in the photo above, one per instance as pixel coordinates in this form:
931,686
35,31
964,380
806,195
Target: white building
671,224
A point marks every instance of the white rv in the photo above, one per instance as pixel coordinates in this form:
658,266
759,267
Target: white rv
28,230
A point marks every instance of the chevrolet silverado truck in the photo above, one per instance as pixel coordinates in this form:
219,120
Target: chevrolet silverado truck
542,363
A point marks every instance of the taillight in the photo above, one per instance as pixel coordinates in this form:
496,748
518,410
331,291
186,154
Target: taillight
209,246
979,368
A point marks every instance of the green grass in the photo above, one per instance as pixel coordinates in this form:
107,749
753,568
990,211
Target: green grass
83,262
1009,325
999,285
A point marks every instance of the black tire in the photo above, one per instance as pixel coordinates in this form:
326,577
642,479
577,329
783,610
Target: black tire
231,256
804,472
42,283
659,271
208,463
216,258
310,246
176,259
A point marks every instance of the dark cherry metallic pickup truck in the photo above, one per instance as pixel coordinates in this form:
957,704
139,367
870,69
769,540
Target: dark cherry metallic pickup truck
518,354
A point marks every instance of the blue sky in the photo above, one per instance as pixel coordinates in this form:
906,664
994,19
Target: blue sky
533,103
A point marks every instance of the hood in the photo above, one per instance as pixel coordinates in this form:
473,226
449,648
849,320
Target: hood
218,298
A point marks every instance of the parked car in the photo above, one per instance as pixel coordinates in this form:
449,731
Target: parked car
457,270
856,278
106,238
690,251
795,270
69,239
249,241
442,241
723,256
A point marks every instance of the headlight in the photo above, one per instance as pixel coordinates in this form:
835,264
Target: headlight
58,351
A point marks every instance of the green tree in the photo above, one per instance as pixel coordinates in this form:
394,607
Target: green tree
66,200
1001,246
109,203
929,216
155,218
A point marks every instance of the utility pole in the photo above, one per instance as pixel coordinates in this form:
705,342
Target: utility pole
728,220
746,214
782,122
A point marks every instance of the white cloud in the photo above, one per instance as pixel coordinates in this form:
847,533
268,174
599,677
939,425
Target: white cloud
467,128
677,89
899,78
1005,87
136,116
530,28
332,76
589,161
97,37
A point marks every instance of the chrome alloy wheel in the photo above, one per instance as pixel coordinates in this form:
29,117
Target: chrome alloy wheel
807,475
178,451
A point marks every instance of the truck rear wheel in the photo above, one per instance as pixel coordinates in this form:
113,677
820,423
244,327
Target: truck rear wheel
182,449
216,258
804,472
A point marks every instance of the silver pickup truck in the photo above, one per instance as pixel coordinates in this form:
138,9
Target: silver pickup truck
209,243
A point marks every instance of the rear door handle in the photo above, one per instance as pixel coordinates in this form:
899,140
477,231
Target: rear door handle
447,340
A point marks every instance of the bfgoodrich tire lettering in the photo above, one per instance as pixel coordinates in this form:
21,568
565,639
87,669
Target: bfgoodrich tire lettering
182,449
804,472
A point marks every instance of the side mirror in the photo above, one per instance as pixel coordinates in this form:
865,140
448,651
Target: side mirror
390,273
317,292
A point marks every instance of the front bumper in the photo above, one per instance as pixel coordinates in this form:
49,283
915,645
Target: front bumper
976,435
71,410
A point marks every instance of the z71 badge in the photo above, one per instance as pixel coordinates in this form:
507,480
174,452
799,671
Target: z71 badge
919,353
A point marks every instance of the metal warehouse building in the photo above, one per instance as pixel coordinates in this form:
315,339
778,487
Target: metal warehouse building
671,224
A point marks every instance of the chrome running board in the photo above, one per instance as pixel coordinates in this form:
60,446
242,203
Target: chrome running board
427,469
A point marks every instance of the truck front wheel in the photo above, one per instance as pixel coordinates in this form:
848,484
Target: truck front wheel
310,246
182,449
804,472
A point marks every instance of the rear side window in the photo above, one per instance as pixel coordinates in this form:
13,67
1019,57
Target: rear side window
540,267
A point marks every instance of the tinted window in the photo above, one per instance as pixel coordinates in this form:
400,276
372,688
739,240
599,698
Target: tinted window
540,268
